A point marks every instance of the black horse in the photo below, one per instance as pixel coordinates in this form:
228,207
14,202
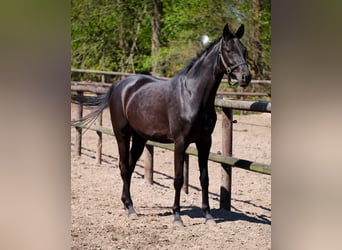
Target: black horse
180,111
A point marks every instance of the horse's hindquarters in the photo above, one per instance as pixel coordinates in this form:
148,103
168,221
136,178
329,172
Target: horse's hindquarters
146,110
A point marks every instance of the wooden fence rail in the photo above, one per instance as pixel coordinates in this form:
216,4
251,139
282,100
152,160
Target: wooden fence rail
99,87
218,158
113,73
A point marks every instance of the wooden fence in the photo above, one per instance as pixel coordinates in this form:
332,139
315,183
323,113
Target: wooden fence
225,159
239,94
113,73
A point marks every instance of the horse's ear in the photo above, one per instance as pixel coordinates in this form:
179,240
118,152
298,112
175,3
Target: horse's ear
240,31
226,32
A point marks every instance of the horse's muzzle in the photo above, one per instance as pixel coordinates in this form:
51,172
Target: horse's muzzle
246,78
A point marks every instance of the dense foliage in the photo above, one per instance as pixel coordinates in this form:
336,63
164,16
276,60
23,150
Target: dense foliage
116,35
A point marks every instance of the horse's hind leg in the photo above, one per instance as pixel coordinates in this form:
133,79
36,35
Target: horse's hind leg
123,146
137,149
127,165
203,148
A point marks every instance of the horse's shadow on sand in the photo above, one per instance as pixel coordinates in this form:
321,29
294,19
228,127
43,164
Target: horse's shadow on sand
221,215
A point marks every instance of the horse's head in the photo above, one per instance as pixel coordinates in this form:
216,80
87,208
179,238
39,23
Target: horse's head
233,56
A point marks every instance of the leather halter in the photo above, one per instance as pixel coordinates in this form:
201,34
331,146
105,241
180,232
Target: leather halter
225,65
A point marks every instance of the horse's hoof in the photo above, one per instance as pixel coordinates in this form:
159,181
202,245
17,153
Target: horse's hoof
210,222
133,216
209,219
178,223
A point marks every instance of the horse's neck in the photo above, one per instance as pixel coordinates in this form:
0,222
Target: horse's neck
205,84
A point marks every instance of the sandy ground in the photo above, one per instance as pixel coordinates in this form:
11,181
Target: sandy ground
98,220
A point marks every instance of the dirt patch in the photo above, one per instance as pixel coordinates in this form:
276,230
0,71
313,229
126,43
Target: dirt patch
98,220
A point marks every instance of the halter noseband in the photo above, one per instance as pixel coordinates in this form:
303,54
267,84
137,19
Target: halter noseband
228,69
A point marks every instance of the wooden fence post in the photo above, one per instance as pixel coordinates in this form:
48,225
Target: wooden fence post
99,134
241,98
79,115
226,171
99,142
148,164
186,174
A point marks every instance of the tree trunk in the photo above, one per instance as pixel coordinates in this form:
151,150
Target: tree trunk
256,43
156,28
121,42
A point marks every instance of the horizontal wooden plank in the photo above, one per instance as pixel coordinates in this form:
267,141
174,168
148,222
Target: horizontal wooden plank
218,158
113,73
223,93
258,106
92,89
92,84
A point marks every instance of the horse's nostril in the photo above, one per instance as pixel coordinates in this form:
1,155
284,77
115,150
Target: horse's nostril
249,78
245,78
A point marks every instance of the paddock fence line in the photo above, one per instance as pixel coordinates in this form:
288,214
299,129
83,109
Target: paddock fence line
225,159
239,94
115,73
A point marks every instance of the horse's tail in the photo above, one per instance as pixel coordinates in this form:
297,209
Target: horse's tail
100,102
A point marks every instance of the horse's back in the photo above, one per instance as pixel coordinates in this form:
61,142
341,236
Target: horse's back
139,88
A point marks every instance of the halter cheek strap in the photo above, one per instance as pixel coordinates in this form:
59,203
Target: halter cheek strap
228,69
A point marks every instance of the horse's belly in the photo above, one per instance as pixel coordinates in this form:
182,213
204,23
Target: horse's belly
148,117
152,133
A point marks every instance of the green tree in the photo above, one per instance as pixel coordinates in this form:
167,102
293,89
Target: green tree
160,36
109,35
256,14
184,22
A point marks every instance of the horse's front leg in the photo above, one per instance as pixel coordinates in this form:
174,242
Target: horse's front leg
203,147
179,153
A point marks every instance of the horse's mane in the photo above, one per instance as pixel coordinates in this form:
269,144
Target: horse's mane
199,55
